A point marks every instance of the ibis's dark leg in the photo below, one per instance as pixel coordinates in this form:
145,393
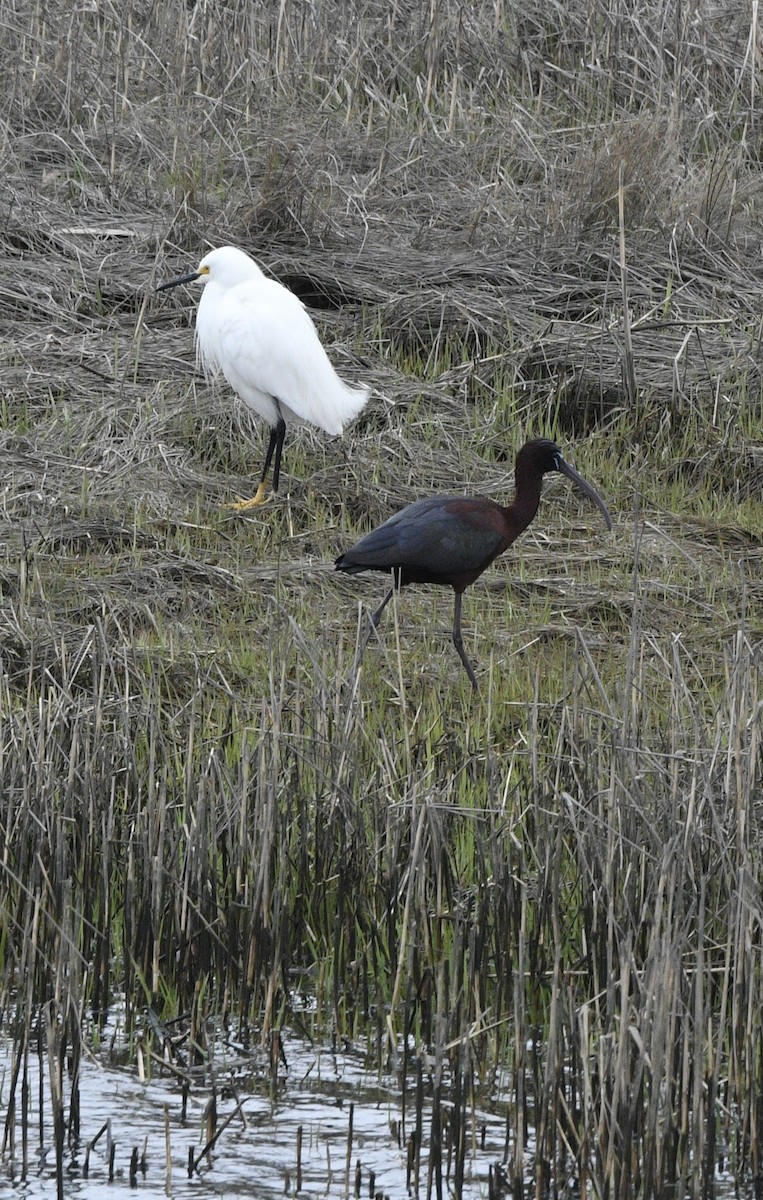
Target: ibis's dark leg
376,616
458,641
275,444
373,622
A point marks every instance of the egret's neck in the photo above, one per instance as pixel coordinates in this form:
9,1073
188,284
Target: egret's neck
211,293
207,332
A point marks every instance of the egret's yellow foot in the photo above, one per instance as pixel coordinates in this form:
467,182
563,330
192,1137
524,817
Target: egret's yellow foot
258,498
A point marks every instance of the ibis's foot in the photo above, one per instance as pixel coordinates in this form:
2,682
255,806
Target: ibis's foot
257,499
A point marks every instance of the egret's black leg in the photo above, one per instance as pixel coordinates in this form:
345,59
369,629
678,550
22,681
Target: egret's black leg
277,437
269,452
275,444
458,642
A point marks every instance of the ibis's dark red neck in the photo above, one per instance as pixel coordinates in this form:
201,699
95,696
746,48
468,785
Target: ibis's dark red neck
524,506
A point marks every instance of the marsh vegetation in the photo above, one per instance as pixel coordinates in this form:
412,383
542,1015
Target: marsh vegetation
510,221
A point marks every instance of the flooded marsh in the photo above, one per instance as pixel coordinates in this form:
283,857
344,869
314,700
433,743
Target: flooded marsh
304,922
321,1123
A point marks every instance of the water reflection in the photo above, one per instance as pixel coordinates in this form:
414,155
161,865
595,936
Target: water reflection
296,1132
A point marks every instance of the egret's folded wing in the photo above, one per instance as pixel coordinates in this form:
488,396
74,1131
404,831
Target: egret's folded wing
269,344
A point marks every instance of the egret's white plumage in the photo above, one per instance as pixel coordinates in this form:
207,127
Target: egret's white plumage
259,336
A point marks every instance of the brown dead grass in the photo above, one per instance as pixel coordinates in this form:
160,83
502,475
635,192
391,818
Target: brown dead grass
581,848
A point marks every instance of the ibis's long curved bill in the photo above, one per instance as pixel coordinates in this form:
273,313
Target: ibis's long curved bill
174,282
585,487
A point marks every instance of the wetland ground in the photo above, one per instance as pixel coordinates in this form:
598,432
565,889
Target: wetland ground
509,221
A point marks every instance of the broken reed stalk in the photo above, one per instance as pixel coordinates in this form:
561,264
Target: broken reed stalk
517,1106
629,372
133,1168
435,1157
105,1128
458,1125
25,1108
55,1070
212,1139
434,1165
9,1125
348,1156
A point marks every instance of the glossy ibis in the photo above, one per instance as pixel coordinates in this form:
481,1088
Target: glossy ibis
452,539
259,336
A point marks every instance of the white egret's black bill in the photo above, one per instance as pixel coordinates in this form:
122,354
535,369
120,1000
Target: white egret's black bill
163,287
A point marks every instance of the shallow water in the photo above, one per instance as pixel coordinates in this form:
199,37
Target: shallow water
317,1089
256,1155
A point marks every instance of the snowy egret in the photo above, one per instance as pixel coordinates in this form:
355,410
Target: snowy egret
259,335
452,539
